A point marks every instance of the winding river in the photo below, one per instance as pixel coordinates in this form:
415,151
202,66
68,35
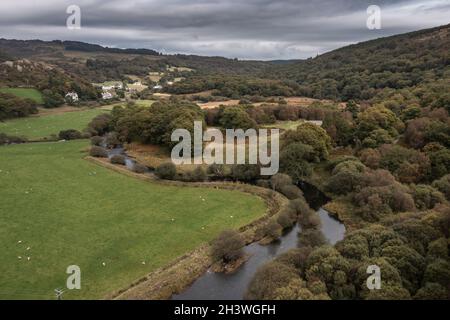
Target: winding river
219,286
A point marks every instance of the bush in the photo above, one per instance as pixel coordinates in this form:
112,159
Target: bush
443,185
96,140
426,197
287,217
166,171
70,134
5,139
196,175
227,247
100,124
139,168
98,152
280,179
112,140
431,291
311,238
271,229
218,170
291,192
245,172
118,159
263,183
268,279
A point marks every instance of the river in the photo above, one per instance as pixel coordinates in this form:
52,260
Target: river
219,286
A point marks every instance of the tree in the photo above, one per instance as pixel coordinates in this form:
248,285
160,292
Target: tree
378,117
438,272
278,180
98,152
236,118
70,134
431,291
311,238
443,185
100,125
271,229
312,135
426,197
227,247
268,279
118,159
377,138
440,163
294,160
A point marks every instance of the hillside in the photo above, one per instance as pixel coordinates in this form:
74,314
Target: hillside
358,71
53,82
98,64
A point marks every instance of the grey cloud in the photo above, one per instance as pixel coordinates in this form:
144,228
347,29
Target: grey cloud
251,29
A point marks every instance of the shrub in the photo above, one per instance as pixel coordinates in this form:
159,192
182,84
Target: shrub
438,272
309,220
96,140
263,183
70,134
100,124
287,217
227,247
166,171
271,229
5,139
431,291
111,139
118,159
426,197
300,206
291,192
280,179
98,152
344,182
198,174
218,170
245,172
268,279
311,238
443,185
139,168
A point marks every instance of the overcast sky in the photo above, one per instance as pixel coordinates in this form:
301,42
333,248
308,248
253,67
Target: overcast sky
245,29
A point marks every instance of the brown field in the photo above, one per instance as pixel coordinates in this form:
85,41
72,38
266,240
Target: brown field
215,104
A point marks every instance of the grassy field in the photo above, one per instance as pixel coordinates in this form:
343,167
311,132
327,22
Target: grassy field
60,210
285,125
44,126
26,93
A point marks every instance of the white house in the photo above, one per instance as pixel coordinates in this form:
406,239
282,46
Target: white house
72,96
157,87
107,95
